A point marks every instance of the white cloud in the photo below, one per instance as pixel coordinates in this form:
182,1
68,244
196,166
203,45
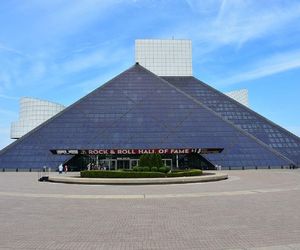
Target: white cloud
97,58
206,6
8,97
272,65
91,84
22,72
11,50
83,61
63,18
7,112
5,137
235,22
239,21
5,81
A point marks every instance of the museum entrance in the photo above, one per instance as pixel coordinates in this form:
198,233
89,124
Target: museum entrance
114,164
123,164
109,162
114,159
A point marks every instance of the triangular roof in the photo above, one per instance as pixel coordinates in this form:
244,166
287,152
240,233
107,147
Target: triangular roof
264,130
138,109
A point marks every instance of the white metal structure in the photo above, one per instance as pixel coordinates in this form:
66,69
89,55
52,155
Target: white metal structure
33,112
165,57
240,95
173,58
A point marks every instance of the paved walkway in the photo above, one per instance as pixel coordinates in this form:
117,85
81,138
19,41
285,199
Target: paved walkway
251,210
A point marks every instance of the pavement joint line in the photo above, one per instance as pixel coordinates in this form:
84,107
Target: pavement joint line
262,213
149,196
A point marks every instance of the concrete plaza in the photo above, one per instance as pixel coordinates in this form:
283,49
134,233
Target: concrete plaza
253,209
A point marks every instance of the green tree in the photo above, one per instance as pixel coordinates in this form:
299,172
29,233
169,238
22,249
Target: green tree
151,160
144,161
157,161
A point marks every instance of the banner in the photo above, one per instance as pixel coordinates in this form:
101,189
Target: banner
135,151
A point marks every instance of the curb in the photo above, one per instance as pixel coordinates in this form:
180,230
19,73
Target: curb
139,181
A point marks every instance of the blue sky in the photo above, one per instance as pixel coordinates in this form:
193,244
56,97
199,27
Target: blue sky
60,50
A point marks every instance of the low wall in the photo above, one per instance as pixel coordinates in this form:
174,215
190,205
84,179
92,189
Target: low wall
139,181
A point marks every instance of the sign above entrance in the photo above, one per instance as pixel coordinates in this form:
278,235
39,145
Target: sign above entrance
136,151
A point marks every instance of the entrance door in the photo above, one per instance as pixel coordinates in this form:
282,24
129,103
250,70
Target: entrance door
134,163
113,165
104,164
168,163
123,164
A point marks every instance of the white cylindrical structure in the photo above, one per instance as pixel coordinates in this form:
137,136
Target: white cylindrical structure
33,112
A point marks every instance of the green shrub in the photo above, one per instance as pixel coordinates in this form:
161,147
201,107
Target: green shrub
137,174
193,172
154,169
164,169
151,160
156,161
146,169
119,174
178,170
139,169
144,161
135,168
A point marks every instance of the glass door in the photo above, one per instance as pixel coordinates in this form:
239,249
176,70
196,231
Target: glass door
123,164
168,163
104,164
134,163
113,165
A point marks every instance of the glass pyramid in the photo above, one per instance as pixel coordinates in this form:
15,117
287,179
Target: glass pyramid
140,110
